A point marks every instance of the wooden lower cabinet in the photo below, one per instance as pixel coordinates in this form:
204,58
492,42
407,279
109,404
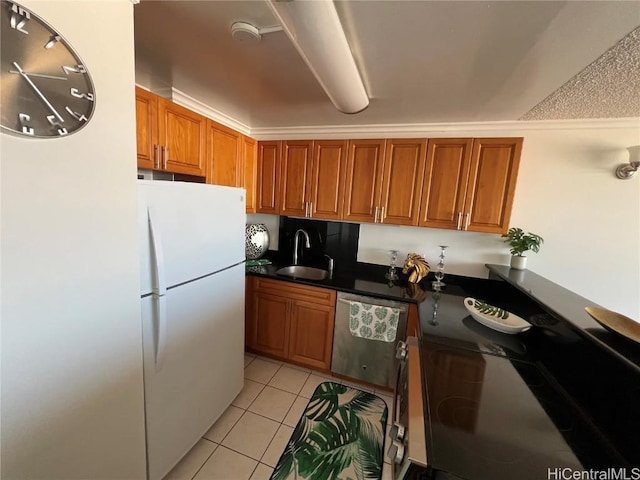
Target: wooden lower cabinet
311,334
271,324
291,321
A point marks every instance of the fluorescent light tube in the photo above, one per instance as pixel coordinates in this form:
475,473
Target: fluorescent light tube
316,32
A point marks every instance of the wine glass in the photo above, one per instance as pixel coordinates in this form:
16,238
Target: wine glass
391,275
438,284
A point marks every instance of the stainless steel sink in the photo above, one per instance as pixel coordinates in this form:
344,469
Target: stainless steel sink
308,273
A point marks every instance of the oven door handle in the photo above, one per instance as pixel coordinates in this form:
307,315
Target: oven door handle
400,347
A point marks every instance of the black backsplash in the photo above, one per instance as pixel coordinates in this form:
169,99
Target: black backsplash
337,239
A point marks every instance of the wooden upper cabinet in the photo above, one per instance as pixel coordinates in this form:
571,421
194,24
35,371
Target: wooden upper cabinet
402,181
268,177
182,136
295,177
470,183
445,185
224,155
492,184
146,128
328,179
363,189
250,166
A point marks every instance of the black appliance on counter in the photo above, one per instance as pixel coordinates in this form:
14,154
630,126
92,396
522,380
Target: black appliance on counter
498,406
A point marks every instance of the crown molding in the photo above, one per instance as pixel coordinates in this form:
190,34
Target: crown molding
399,130
191,103
431,129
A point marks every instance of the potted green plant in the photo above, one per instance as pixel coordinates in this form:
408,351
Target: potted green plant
519,243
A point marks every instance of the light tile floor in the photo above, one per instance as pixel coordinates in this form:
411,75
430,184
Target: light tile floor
247,440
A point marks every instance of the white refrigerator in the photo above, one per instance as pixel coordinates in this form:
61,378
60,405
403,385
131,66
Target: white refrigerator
192,297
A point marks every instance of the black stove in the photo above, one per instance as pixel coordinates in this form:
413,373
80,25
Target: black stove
505,406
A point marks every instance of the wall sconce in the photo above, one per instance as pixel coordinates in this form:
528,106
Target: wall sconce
315,30
628,170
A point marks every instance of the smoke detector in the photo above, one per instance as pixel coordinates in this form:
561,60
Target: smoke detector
244,32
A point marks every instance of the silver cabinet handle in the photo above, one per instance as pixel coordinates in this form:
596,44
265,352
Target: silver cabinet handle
165,156
156,156
459,220
467,220
375,215
306,209
310,209
381,214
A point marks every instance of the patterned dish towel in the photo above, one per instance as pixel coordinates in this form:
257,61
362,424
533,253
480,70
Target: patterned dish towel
373,322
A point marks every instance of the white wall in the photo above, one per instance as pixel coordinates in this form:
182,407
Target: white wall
566,192
72,391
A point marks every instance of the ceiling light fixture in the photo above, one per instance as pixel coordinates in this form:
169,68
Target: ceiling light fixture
316,32
628,170
244,32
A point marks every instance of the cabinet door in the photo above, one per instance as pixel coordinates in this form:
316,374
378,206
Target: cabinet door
146,128
311,334
492,184
364,180
224,159
295,177
402,181
329,171
270,324
268,191
182,134
248,312
445,182
250,159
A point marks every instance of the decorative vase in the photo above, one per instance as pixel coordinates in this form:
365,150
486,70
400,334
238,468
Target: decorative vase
256,240
518,262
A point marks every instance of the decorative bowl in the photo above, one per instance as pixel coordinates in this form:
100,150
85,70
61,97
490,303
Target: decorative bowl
256,240
615,322
495,317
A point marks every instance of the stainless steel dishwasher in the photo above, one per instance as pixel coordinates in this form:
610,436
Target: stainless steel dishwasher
371,361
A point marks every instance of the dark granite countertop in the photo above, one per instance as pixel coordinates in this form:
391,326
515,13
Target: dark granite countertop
570,306
366,281
369,279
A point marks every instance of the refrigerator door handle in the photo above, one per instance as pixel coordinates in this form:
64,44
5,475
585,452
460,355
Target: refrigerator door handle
157,257
160,329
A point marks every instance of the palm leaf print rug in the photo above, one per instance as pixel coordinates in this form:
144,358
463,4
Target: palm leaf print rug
339,436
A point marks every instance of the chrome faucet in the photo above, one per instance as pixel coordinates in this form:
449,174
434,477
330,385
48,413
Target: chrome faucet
330,265
296,241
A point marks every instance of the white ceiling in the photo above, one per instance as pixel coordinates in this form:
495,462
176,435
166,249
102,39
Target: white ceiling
422,61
